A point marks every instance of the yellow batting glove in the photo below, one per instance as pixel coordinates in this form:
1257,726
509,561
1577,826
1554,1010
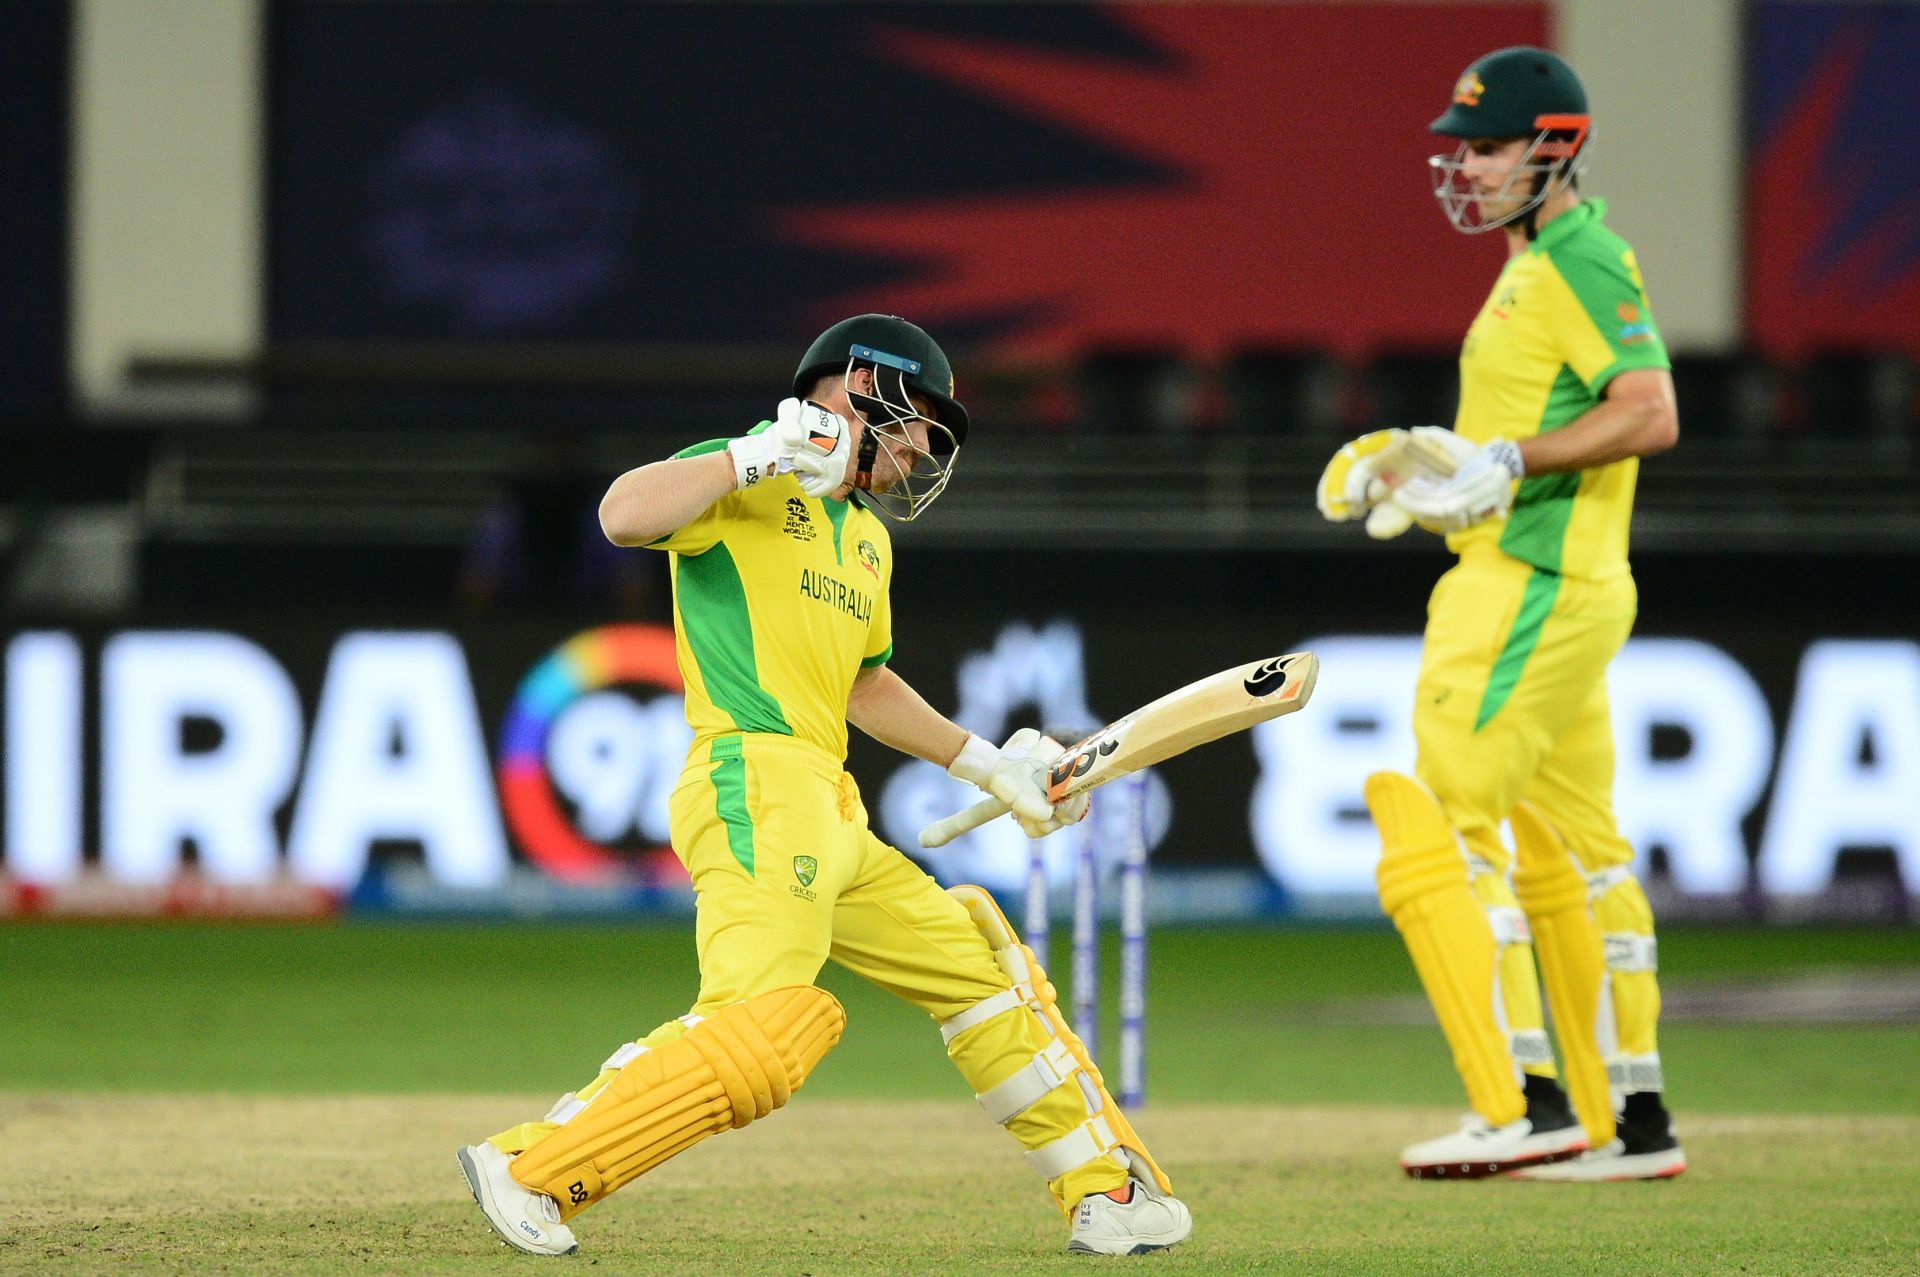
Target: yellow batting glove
1354,481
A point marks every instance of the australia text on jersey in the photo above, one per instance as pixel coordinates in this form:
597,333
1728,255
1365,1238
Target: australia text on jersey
837,594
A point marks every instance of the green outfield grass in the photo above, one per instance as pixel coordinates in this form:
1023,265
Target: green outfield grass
1236,1016
282,1100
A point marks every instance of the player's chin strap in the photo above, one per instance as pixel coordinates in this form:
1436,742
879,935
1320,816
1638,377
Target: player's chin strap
1105,1133
863,460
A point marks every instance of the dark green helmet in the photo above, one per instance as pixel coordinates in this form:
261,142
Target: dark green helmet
1507,92
921,361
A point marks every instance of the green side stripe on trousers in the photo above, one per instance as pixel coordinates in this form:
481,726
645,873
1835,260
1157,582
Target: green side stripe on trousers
1535,604
730,798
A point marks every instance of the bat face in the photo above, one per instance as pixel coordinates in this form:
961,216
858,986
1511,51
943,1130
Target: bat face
1216,706
1200,712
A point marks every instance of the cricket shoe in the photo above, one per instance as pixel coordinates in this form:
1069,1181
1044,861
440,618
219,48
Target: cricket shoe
1548,1133
524,1219
1644,1147
1148,1220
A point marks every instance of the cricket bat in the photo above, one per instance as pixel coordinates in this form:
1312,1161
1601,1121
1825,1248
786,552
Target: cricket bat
1216,706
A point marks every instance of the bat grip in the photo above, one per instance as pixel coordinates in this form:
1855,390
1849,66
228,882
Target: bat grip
947,828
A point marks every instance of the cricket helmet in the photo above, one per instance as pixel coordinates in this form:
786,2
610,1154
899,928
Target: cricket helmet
1513,93
921,364
904,362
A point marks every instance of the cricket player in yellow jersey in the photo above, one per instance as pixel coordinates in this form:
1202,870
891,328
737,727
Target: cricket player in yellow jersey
1564,386
781,574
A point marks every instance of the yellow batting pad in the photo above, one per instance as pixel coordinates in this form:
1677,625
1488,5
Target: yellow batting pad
1423,888
736,1065
1105,1135
1513,958
1554,895
1626,932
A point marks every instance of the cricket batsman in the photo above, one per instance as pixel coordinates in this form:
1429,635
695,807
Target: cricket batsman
781,570
1564,386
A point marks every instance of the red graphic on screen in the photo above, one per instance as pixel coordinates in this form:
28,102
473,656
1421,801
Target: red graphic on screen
1300,211
1833,258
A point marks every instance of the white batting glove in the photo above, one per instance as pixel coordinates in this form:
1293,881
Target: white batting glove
805,440
1047,751
1016,774
1481,488
1367,470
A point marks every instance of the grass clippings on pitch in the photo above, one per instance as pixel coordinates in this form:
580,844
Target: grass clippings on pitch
261,1184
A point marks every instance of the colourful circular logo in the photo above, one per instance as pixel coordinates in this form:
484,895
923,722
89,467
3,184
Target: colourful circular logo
584,665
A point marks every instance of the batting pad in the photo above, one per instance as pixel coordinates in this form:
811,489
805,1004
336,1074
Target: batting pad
1424,889
1105,1133
1626,932
1572,964
1519,986
740,1063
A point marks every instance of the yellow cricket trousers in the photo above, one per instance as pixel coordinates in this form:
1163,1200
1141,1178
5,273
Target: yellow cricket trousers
786,874
1511,704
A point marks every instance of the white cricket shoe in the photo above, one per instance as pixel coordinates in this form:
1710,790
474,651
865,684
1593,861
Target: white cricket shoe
1611,1161
1149,1220
1479,1149
524,1219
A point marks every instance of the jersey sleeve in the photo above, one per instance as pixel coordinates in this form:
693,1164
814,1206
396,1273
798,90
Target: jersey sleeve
1605,326
704,531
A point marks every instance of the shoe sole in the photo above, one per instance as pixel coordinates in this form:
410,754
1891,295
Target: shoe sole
1666,1164
1504,1166
477,1185
1143,1248
1139,1248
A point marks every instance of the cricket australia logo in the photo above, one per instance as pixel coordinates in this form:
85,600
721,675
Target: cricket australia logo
804,868
799,523
869,558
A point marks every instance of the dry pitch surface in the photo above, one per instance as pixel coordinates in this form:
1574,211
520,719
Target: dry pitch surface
130,1184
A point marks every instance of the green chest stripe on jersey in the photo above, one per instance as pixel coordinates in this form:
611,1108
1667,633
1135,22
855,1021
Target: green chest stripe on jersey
1536,530
1536,602
837,515
719,632
730,798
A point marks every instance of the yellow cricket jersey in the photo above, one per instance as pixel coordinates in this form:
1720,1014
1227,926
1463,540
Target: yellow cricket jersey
779,600
1563,319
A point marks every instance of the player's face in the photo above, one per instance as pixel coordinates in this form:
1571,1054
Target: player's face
1488,168
896,457
902,455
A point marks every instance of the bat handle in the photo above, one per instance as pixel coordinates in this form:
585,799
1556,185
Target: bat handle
947,828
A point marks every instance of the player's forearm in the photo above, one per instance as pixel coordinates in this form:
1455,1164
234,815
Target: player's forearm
646,504
885,707
1638,421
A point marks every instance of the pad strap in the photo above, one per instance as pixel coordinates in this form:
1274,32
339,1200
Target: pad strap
1631,1074
1601,881
1530,1046
1049,1067
1509,925
1091,1139
980,1012
1631,951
